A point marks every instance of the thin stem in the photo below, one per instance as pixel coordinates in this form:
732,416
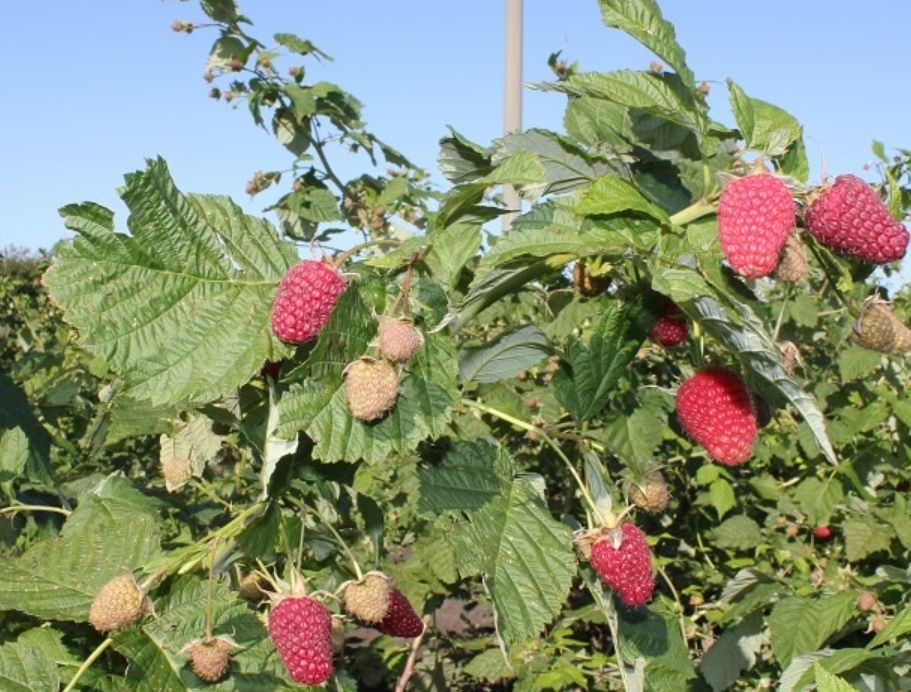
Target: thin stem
677,601
209,602
611,616
12,509
87,663
338,538
695,211
528,427
784,304
318,147
412,658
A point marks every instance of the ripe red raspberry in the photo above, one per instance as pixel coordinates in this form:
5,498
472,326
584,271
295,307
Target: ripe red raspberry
623,560
714,408
301,630
304,301
671,329
822,532
755,216
400,619
851,219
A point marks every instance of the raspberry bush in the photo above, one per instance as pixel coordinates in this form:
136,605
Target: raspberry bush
653,437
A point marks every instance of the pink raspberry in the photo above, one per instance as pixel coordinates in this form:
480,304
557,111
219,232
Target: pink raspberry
301,630
671,329
623,560
304,301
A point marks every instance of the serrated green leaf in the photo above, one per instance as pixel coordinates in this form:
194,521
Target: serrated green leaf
471,475
58,578
828,682
224,11
504,357
192,445
518,168
801,625
642,20
658,641
427,394
132,418
764,127
493,285
299,45
855,363
560,166
224,51
594,370
489,665
180,309
645,91
460,160
897,627
721,495
25,669
16,412
733,653
599,123
635,437
817,499
739,532
865,536
452,247
613,195
525,555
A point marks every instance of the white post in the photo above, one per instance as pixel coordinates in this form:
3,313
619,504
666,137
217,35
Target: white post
512,95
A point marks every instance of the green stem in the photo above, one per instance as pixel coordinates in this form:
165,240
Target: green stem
338,538
87,663
610,614
12,509
528,427
363,246
695,211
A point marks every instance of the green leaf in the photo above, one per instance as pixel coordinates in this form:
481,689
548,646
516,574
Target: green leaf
109,532
737,533
801,625
558,166
594,370
23,668
13,458
461,160
274,448
642,20
765,127
180,309
599,123
721,495
299,45
828,682
733,653
817,498
644,91
452,247
427,394
16,412
525,555
613,195
865,536
192,445
472,474
635,437
855,363
552,229
489,287
506,356
225,50
658,641
224,11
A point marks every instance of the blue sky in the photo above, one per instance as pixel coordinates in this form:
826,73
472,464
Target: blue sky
94,88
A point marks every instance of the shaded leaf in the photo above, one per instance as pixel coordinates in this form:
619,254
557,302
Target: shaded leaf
506,356
801,625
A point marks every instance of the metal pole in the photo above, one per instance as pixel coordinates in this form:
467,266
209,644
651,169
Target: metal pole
512,95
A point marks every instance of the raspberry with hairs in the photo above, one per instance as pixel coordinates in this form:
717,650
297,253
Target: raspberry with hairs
623,561
851,219
651,493
400,619
210,658
671,329
715,409
398,339
301,630
304,301
371,387
755,216
120,602
368,598
879,329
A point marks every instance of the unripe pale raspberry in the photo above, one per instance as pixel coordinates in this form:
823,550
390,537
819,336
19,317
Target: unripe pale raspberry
398,339
301,630
120,602
304,301
715,409
671,329
586,283
371,387
651,494
400,619
368,598
851,219
176,473
792,265
210,659
755,216
623,561
879,329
